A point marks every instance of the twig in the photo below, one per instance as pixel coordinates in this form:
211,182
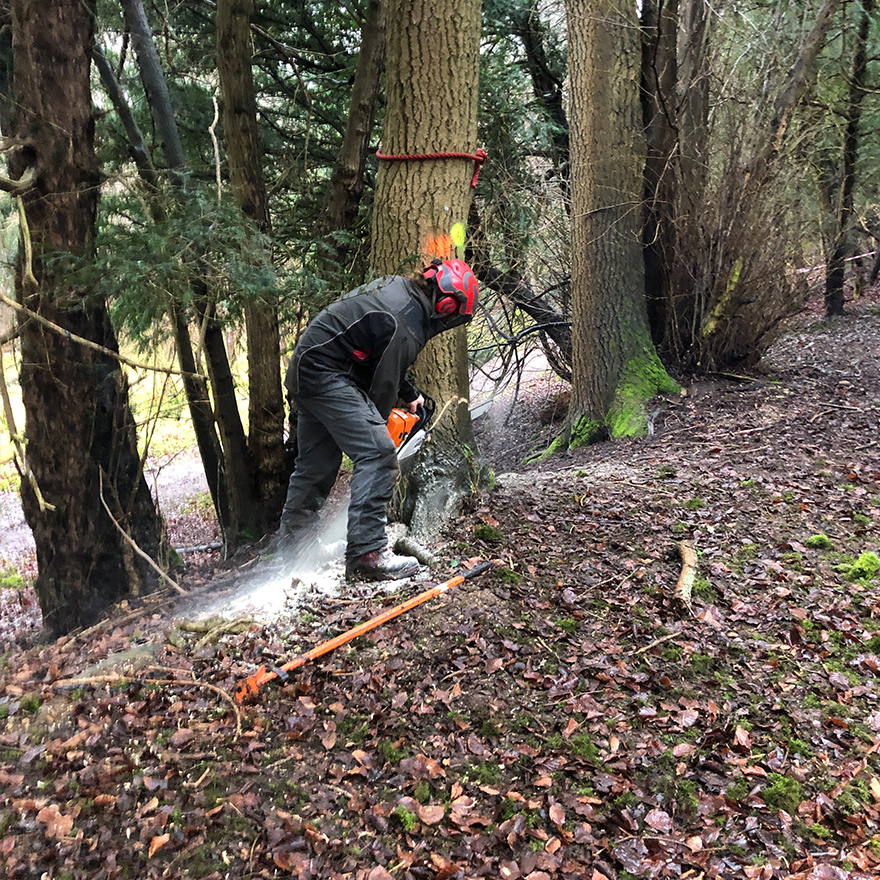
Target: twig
131,541
656,642
18,442
120,677
688,572
87,343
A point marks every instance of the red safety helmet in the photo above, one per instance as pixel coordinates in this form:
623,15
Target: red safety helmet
459,292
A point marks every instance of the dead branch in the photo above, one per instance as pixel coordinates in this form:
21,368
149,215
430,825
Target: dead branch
131,541
688,572
119,678
87,343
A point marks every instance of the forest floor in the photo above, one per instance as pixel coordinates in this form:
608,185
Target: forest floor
563,715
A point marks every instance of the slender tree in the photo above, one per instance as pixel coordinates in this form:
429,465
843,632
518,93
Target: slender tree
84,494
265,443
241,515
841,247
431,108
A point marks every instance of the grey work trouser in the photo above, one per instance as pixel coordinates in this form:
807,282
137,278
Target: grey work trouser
342,419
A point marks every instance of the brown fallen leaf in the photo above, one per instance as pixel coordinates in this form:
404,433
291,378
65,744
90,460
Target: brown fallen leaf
157,843
57,824
430,814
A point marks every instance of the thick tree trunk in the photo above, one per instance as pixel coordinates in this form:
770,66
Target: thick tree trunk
81,443
265,442
836,264
431,76
615,368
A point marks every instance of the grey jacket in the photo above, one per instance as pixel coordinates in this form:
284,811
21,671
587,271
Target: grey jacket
369,338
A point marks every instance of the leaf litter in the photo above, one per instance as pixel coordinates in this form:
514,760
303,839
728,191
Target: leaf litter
562,716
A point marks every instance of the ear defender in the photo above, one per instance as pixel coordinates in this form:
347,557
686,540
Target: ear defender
446,305
458,292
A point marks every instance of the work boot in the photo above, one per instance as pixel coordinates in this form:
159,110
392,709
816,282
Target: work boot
381,565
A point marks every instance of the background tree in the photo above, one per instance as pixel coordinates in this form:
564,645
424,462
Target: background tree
265,441
431,107
81,444
842,234
615,368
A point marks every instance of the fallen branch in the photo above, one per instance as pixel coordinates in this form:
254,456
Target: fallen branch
119,678
688,572
87,343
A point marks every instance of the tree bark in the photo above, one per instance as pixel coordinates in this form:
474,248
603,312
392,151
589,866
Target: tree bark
432,70
659,77
265,442
614,366
841,249
239,488
79,427
347,180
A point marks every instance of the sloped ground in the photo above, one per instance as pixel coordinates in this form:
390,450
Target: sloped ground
562,716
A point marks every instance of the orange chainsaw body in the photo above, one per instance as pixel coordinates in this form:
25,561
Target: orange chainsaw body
401,424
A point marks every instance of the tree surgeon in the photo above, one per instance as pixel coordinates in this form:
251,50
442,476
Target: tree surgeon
347,372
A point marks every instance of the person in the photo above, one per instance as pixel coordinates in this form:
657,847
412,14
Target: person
347,372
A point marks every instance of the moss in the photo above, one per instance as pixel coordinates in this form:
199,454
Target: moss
10,579
782,793
819,542
508,576
585,432
558,445
485,532
864,568
30,703
407,819
643,377
585,748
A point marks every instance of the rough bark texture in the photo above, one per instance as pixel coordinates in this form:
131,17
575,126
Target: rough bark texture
614,366
239,488
79,428
431,107
659,75
841,249
265,441
347,181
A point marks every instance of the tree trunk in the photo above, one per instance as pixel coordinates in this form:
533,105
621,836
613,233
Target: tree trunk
81,442
547,87
265,443
239,488
659,76
346,188
615,368
194,385
431,75
836,264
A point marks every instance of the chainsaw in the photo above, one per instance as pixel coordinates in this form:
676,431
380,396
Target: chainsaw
408,429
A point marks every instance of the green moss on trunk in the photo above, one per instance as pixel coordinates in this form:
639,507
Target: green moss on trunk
643,378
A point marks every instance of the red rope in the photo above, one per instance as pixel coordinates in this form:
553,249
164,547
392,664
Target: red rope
479,157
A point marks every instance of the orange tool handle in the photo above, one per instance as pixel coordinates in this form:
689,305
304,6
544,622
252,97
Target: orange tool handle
250,687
